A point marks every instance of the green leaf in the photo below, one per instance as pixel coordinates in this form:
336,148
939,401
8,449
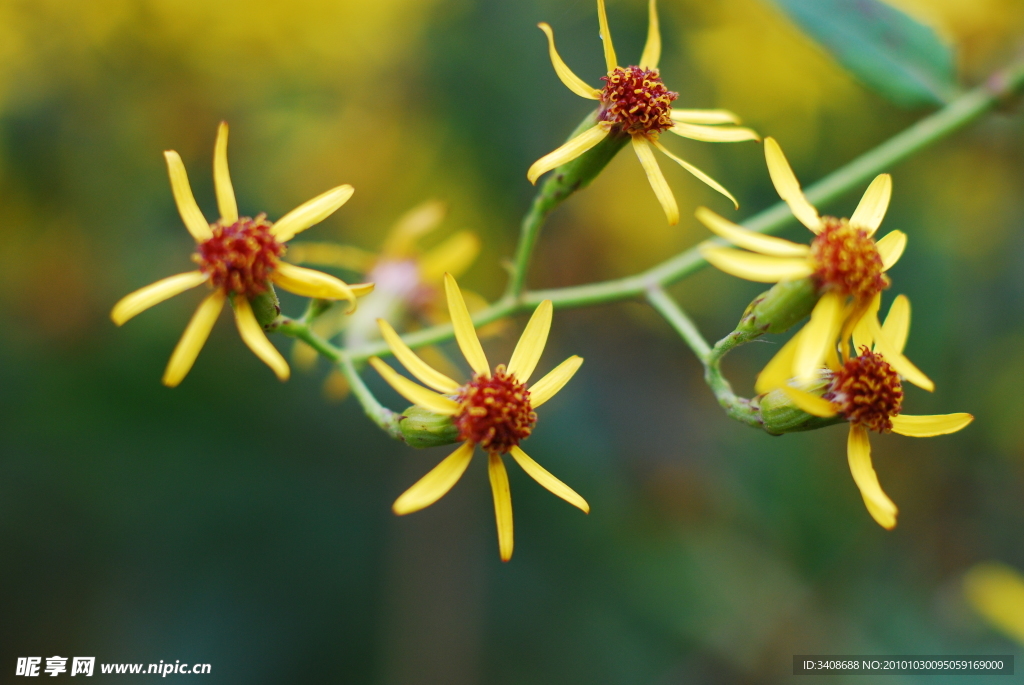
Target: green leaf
900,58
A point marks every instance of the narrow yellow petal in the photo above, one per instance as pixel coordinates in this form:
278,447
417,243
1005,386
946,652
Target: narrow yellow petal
756,267
417,394
336,386
465,334
411,226
901,364
191,215
303,356
256,340
193,339
652,48
565,74
788,187
858,451
873,205
555,379
750,240
818,334
312,283
779,370
547,481
930,426
531,343
704,116
361,289
154,293
436,484
996,591
853,317
897,324
713,134
311,213
698,173
657,179
453,256
890,248
502,504
330,254
606,37
222,179
416,366
812,404
567,152
863,331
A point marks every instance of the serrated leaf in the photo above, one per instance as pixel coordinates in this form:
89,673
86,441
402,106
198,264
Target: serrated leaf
888,51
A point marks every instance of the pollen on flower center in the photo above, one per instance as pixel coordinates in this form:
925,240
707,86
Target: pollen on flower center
240,257
496,412
636,100
846,260
869,391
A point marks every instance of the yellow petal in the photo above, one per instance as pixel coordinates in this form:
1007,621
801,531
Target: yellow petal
453,256
657,179
779,370
154,293
788,187
863,331
698,173
193,218
531,343
193,339
311,283
222,179
897,324
361,289
819,333
929,426
417,394
256,340
756,267
502,504
871,209
465,334
567,152
712,134
547,481
853,317
565,74
890,248
750,240
336,386
416,366
417,222
436,484
555,379
311,213
303,356
858,450
996,591
901,364
606,37
652,48
704,116
329,254
811,404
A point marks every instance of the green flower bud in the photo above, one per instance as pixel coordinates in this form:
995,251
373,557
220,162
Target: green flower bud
266,306
776,310
779,415
423,428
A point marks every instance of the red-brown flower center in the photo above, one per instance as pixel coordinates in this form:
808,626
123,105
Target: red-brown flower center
636,101
868,390
496,412
846,260
240,257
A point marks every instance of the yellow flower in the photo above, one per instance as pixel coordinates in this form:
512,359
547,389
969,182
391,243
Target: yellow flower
635,102
494,410
996,591
844,258
866,389
237,257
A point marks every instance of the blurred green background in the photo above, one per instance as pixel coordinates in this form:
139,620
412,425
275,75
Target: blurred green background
246,523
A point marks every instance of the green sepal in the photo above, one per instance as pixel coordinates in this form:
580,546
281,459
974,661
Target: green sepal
266,306
779,415
423,428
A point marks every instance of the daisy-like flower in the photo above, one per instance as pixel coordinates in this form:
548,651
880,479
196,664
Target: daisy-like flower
494,410
237,258
844,259
865,388
635,102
